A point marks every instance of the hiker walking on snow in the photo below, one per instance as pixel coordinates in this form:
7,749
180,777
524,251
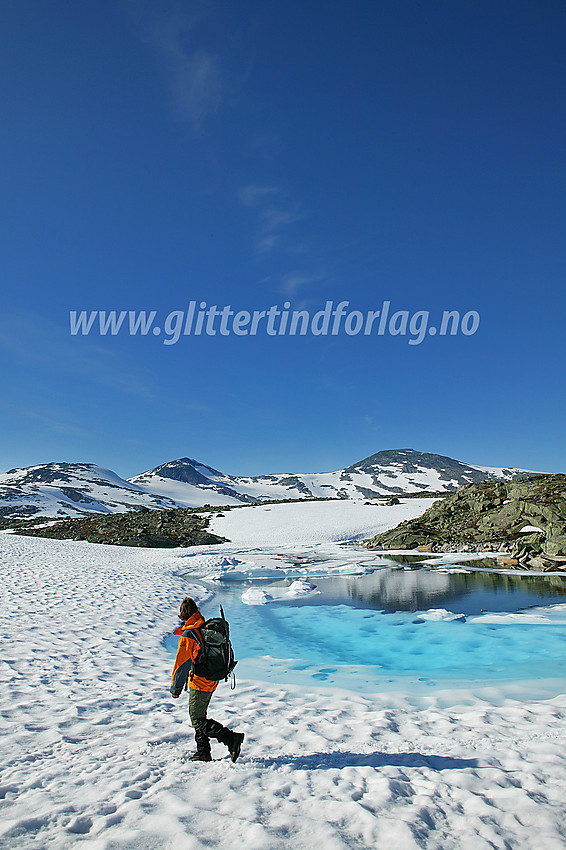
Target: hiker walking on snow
201,689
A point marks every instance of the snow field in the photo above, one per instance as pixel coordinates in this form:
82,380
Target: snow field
94,748
294,523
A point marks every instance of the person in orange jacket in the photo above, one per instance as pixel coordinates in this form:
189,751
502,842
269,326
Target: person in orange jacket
200,689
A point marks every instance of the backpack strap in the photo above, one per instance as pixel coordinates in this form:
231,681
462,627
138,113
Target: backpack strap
196,636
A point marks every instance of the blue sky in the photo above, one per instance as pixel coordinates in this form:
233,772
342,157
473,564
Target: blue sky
252,153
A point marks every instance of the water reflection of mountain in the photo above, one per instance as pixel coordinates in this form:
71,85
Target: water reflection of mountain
420,589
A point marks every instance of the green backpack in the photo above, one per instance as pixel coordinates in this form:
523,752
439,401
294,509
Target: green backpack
215,659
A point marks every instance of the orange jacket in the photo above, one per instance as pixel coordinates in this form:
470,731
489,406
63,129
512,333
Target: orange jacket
187,652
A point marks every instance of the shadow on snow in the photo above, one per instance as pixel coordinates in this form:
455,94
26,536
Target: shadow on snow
323,761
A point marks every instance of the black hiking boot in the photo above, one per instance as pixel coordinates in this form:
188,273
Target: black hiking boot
203,747
235,745
233,740
200,757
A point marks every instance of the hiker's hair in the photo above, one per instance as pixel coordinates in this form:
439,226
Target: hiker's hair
188,608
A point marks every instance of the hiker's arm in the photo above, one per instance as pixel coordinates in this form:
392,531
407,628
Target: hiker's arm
178,680
186,653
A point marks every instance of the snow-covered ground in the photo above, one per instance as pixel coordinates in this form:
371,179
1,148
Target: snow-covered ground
313,522
94,749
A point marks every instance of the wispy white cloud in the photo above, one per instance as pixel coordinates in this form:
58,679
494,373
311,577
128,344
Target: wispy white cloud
256,193
189,39
46,420
275,219
266,244
274,216
197,86
267,145
272,228
294,281
34,339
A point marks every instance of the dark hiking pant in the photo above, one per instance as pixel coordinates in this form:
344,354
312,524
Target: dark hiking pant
198,705
205,728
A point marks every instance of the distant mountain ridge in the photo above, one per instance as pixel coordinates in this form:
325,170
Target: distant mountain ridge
187,478
80,489
71,489
393,472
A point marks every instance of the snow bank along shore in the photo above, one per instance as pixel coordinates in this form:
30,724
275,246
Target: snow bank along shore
94,749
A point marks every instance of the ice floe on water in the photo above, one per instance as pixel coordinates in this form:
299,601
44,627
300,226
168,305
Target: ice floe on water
549,615
232,564
301,588
258,596
436,615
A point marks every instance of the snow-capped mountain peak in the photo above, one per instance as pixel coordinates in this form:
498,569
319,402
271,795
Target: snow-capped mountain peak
71,490
78,489
393,471
191,483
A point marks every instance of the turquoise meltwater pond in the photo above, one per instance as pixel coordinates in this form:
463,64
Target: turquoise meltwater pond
380,632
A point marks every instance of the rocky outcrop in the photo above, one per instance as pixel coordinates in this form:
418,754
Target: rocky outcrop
157,529
524,519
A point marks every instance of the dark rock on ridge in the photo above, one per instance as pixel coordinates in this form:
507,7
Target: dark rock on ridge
453,473
148,528
490,516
